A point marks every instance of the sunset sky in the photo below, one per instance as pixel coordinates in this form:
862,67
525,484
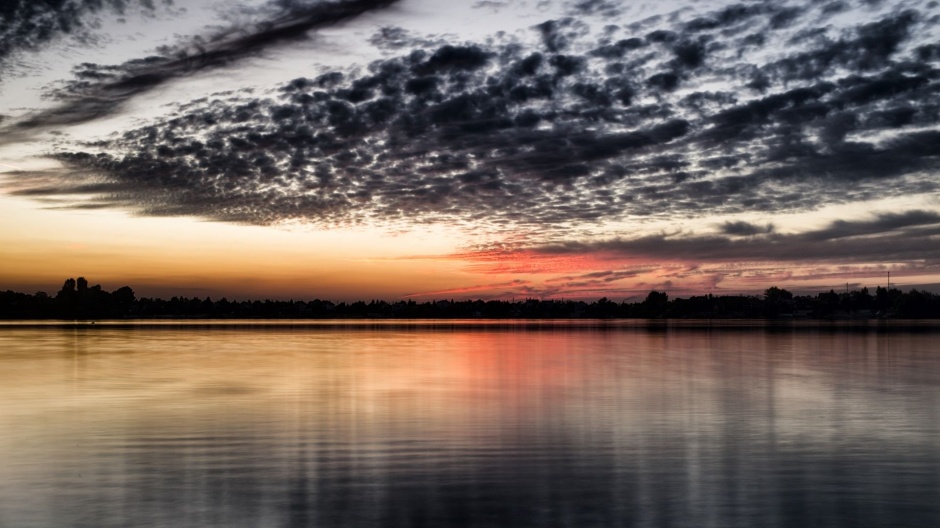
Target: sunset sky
383,149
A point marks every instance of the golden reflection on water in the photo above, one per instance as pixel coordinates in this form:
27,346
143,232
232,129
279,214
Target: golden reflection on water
392,427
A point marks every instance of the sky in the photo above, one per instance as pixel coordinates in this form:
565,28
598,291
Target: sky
419,149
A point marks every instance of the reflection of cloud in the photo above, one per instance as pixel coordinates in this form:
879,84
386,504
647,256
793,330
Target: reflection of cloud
736,110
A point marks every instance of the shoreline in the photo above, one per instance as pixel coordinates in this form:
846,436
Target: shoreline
555,324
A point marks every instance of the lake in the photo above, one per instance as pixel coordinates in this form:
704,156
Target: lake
469,424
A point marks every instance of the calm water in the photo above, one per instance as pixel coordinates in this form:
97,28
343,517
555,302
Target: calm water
437,426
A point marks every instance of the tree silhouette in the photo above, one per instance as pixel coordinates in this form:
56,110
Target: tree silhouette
77,300
777,295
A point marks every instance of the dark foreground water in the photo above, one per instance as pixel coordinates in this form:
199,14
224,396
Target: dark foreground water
441,426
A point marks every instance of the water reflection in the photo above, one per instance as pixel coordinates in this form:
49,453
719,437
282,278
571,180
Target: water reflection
404,427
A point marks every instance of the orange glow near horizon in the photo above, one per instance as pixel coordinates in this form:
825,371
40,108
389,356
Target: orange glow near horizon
184,256
194,258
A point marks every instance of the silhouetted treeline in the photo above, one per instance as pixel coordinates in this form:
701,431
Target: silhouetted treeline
78,300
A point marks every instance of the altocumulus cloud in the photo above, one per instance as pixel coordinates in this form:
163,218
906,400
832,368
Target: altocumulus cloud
757,106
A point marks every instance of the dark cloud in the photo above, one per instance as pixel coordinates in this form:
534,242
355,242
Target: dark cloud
888,237
663,118
665,81
604,8
618,49
452,58
100,90
28,25
740,228
835,7
490,4
880,225
394,38
869,47
689,54
557,35
729,16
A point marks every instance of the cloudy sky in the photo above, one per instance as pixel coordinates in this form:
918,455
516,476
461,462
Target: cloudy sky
491,149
